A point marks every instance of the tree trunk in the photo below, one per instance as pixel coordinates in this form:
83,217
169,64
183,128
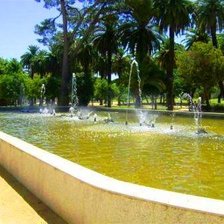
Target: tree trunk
169,78
109,71
215,44
221,94
213,34
137,101
141,53
119,101
64,99
207,98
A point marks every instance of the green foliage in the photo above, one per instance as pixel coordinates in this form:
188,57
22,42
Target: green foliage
100,88
3,64
52,86
220,38
201,66
173,13
141,9
195,35
210,17
102,38
12,81
27,59
13,66
153,81
34,87
122,93
11,86
84,88
115,90
10,66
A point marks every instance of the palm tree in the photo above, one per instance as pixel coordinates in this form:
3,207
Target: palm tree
163,58
138,35
14,66
121,68
105,41
27,59
83,53
40,62
153,81
28,62
210,15
172,16
195,35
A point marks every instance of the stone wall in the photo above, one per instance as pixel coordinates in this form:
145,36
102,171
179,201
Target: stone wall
80,195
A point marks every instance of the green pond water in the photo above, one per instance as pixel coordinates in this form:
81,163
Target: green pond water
178,160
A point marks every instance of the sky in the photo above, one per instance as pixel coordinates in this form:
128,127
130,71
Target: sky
18,19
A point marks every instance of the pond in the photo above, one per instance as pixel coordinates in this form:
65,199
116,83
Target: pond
175,159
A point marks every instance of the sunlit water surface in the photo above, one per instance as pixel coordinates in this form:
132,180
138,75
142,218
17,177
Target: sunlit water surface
177,160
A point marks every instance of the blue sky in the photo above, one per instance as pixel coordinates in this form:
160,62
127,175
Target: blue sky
18,18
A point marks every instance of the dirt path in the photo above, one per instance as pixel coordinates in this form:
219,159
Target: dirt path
18,205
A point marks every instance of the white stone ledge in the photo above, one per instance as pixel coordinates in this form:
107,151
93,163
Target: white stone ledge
84,196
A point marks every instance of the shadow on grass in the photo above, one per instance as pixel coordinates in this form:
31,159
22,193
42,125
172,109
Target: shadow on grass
42,210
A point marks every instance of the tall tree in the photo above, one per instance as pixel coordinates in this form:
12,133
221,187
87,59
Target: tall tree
84,55
105,41
101,26
138,32
138,35
201,66
27,59
173,16
210,15
64,7
195,35
14,66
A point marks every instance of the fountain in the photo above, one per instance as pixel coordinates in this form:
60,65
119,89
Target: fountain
21,94
142,117
45,110
153,154
74,97
134,62
108,119
198,117
195,107
147,152
73,110
172,115
42,92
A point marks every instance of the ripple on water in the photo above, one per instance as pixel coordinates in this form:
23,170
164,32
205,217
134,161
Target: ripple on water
176,159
